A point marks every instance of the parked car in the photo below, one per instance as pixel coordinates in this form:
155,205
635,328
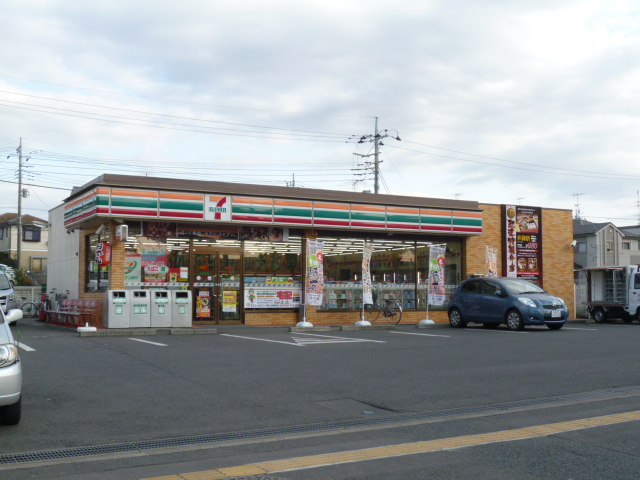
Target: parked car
11,273
8,297
10,371
511,301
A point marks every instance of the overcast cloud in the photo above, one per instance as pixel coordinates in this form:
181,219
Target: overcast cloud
498,101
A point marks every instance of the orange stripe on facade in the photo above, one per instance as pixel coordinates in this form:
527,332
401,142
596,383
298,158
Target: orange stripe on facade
134,193
468,214
331,206
216,198
412,211
442,213
368,208
82,199
293,203
181,196
254,201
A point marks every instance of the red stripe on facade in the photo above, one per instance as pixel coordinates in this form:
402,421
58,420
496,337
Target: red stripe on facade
182,214
468,229
253,218
336,223
355,223
404,226
137,213
439,228
301,221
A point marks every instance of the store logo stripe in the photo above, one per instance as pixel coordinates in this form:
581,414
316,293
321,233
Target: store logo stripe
409,211
331,206
436,228
182,196
252,209
194,215
468,214
293,203
134,202
136,212
368,208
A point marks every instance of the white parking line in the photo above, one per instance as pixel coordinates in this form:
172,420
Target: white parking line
422,334
327,338
261,339
147,341
26,348
575,328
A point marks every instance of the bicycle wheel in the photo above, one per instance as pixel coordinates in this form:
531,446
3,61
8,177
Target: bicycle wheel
372,312
29,309
394,313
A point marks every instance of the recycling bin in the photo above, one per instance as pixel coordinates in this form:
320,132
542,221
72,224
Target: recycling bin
181,308
116,309
160,309
140,309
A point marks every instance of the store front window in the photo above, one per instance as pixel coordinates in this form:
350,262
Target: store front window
399,270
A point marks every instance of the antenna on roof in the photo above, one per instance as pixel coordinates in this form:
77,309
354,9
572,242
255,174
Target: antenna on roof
577,196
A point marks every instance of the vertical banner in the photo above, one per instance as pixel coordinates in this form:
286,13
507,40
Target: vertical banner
367,297
523,256
436,274
492,262
315,275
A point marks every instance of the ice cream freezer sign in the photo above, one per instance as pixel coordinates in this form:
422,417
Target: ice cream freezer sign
272,297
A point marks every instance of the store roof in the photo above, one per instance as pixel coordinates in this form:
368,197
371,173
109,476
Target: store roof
200,186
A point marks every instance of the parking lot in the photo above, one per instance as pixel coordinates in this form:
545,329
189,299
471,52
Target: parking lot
385,386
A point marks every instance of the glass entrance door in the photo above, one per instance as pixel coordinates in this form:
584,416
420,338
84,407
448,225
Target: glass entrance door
216,285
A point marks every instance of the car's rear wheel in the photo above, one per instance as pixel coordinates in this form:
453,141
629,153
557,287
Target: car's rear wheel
10,414
456,320
514,320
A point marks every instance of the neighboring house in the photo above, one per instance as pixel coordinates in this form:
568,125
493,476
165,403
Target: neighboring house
35,240
604,244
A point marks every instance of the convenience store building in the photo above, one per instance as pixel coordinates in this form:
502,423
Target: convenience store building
240,249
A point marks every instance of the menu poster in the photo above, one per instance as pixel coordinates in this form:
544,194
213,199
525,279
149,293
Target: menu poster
523,239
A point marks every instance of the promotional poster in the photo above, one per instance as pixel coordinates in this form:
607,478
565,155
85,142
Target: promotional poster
523,256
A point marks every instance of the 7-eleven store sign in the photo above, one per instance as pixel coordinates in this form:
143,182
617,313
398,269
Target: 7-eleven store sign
217,207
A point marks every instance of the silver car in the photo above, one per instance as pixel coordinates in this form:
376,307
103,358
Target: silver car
8,298
10,371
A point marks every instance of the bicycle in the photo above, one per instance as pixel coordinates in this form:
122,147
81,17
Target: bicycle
29,309
391,309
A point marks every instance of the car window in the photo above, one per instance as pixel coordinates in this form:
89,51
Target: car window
491,288
472,287
4,282
517,286
636,282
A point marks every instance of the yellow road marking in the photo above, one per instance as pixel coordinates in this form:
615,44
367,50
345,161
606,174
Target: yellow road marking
376,453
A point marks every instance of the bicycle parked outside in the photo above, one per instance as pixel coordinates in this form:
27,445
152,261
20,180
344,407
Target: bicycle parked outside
29,309
388,308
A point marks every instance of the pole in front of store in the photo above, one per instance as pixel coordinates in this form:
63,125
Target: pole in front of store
427,320
305,276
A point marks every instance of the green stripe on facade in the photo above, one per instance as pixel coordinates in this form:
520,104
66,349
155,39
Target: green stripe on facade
134,202
292,212
178,205
470,222
397,217
436,220
336,214
367,216
252,210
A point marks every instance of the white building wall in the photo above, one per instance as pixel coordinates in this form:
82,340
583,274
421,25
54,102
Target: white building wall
64,248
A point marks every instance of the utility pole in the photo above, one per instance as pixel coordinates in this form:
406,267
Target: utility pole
19,244
377,143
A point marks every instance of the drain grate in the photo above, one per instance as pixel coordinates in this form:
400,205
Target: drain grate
77,452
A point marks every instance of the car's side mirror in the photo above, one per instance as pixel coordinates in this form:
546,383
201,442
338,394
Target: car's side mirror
13,315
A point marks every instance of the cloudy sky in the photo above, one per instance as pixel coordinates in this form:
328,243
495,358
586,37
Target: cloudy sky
498,101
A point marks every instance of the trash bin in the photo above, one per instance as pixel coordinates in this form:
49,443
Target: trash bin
140,309
116,309
160,309
181,307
